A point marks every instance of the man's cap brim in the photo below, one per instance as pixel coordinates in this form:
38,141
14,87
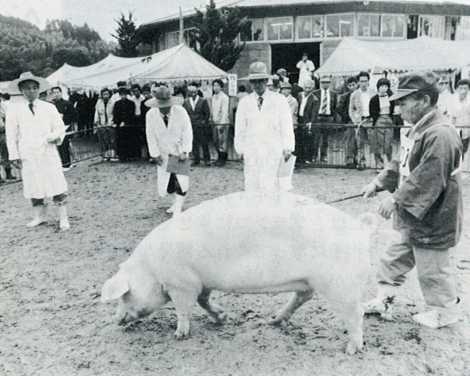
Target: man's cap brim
402,93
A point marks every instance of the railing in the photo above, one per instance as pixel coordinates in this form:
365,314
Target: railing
84,144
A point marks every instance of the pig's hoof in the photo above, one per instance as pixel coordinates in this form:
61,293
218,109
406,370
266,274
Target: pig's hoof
277,321
181,334
352,348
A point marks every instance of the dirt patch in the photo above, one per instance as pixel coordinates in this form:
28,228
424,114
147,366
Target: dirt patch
52,323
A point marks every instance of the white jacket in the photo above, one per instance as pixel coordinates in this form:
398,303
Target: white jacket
261,137
27,136
174,140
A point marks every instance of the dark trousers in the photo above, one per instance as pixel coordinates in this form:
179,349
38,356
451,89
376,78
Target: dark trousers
306,141
323,133
465,143
201,138
64,151
128,143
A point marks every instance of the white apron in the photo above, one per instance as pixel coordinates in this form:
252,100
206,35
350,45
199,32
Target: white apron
163,141
27,140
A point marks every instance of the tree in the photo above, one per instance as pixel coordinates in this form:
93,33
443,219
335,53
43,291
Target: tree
126,36
215,34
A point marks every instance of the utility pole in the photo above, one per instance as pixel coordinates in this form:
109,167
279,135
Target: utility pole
181,36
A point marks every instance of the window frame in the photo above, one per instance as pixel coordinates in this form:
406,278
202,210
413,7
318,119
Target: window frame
354,23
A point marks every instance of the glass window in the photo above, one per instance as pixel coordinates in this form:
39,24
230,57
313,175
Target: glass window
463,28
309,27
256,33
341,25
368,25
317,27
280,28
304,27
393,26
432,26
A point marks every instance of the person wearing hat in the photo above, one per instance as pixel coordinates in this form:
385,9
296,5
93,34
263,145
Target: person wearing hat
264,133
169,132
286,90
426,205
326,115
34,128
282,74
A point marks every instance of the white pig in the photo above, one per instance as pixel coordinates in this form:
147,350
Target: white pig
248,243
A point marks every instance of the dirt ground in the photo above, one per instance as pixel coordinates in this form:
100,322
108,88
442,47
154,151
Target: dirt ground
52,322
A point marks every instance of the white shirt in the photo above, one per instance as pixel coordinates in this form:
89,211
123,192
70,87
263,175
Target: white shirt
193,102
303,103
137,102
365,99
220,108
305,70
459,112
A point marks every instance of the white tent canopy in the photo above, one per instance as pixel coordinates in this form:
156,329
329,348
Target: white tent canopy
353,55
177,63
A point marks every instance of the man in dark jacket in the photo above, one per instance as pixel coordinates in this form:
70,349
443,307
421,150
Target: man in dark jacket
67,112
126,132
306,136
426,204
199,113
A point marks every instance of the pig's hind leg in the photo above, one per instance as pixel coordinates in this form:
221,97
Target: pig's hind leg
215,312
299,298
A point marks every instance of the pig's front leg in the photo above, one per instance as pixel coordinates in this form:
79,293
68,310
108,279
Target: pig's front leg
299,298
215,312
183,301
353,318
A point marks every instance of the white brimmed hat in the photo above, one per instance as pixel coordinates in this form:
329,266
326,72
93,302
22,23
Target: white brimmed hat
14,87
257,71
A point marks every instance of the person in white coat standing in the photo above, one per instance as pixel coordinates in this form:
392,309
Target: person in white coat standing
264,133
169,133
34,128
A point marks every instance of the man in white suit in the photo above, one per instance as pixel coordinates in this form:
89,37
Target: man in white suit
34,128
264,132
169,133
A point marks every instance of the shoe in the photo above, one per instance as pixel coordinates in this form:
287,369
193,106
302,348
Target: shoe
440,317
39,216
114,159
207,163
179,201
64,224
171,209
195,163
382,303
351,165
361,166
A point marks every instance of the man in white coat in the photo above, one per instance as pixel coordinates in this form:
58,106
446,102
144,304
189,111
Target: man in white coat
169,133
264,133
34,128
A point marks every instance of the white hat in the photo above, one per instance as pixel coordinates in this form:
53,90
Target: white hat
14,87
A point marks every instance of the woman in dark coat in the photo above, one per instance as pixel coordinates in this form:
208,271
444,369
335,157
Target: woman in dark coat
381,110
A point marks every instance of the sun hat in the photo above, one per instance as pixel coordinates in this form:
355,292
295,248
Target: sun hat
14,87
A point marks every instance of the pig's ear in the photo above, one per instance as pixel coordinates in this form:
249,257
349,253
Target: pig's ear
115,287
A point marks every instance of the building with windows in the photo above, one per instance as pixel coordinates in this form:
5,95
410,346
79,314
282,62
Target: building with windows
282,30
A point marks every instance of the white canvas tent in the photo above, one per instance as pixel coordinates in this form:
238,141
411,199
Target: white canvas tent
173,64
353,55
